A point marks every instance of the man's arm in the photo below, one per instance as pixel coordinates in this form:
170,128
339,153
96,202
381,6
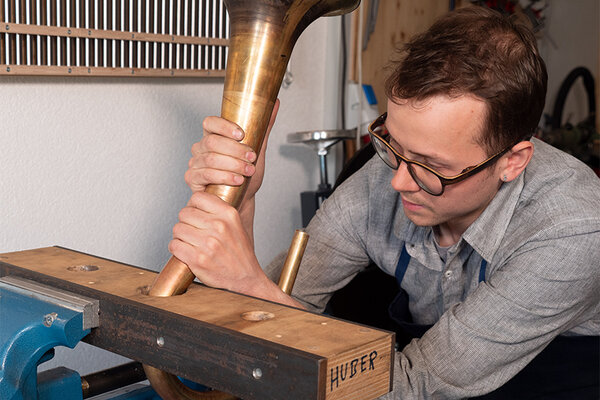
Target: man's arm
212,238
336,249
220,158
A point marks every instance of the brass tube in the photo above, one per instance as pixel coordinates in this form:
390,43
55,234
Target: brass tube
292,261
169,387
174,279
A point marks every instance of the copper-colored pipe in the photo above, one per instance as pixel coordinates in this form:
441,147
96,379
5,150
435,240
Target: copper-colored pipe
263,33
292,262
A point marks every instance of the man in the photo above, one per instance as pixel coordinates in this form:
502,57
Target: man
493,238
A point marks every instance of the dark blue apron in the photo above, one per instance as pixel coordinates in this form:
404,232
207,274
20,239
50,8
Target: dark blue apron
568,368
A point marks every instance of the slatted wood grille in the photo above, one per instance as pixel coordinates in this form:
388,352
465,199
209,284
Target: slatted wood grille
179,38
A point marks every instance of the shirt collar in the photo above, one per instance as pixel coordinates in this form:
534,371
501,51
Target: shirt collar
485,234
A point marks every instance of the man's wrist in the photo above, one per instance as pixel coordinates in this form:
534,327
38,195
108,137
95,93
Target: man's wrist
246,212
268,290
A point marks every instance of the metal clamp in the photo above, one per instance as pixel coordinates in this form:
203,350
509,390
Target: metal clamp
35,319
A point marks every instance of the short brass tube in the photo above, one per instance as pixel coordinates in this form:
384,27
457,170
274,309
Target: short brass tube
293,260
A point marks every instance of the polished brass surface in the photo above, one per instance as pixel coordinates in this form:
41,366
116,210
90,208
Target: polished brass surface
169,387
292,262
174,279
263,33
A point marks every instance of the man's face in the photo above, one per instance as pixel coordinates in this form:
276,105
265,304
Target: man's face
442,133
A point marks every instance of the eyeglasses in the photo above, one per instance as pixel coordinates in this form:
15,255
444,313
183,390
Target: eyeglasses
427,178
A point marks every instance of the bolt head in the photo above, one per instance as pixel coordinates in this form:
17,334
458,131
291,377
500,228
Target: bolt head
49,319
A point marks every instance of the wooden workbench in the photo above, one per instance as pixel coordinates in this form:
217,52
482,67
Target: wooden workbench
245,346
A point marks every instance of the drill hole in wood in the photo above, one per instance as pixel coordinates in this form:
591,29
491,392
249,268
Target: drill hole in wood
256,316
84,268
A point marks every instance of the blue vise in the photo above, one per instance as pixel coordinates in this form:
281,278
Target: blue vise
34,319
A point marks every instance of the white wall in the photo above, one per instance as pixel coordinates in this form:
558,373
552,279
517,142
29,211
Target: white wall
97,164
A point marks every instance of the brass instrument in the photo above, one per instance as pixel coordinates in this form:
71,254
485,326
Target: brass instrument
263,33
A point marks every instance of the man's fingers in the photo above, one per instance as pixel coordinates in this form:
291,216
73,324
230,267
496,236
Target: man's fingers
222,127
187,254
213,143
209,203
197,180
186,233
222,162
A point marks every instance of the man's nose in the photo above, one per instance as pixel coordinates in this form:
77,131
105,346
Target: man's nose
403,180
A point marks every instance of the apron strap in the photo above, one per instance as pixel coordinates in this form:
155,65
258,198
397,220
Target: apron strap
482,269
402,265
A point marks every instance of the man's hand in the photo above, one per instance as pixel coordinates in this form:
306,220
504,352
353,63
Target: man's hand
211,240
220,158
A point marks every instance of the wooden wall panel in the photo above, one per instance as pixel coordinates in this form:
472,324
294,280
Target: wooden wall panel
397,21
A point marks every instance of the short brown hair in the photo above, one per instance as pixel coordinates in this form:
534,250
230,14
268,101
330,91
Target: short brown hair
475,50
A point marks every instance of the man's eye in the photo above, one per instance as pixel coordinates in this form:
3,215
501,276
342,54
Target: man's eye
395,145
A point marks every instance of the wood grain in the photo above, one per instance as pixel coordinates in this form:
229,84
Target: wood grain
34,70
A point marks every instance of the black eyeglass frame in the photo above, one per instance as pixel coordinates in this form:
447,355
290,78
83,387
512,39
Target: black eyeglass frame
445,180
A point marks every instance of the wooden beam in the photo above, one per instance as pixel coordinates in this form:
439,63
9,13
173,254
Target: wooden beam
54,70
85,33
245,346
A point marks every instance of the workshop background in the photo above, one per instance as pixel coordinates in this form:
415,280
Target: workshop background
97,164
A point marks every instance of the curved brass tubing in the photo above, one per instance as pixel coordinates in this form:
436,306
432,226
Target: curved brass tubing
263,33
170,387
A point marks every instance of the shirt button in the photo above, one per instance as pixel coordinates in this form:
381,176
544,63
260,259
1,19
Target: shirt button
448,274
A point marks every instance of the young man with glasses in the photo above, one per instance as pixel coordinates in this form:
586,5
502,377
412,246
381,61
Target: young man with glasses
493,237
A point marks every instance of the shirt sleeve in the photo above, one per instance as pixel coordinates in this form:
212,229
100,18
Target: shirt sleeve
543,289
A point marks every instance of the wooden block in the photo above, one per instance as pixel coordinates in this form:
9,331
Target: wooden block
215,337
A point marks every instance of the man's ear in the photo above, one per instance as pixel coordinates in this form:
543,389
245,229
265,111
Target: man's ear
516,160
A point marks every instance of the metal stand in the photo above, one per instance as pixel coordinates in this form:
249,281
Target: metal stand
320,141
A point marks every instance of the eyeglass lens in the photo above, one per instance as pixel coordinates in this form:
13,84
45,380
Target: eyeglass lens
423,177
